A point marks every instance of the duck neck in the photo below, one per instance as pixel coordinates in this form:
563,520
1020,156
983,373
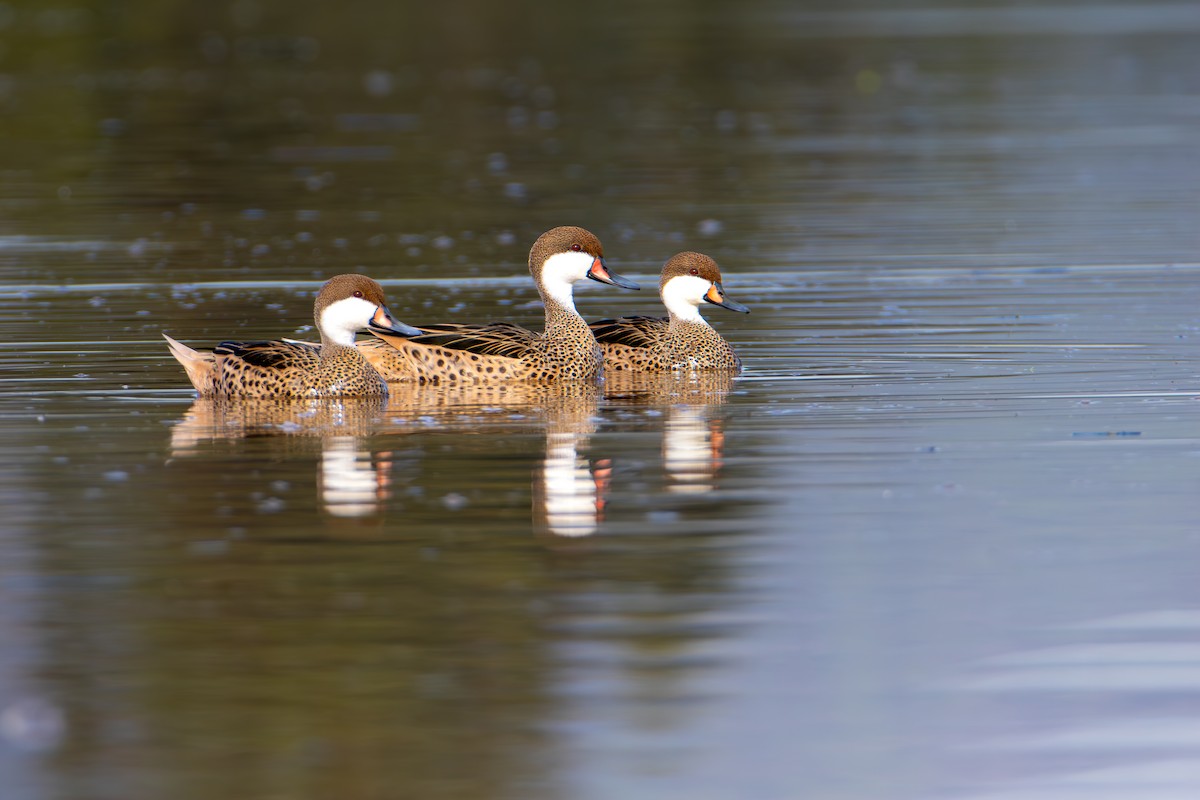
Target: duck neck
691,322
562,318
563,321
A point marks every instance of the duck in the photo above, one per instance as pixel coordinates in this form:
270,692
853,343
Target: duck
345,305
684,340
501,351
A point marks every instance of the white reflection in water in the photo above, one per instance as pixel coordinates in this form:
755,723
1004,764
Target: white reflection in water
572,495
692,449
350,482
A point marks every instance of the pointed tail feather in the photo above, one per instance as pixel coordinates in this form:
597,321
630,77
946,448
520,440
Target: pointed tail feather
200,367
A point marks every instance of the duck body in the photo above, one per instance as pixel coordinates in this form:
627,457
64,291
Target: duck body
498,351
660,344
334,368
681,341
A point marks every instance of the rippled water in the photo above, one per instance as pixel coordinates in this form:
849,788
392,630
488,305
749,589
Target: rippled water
937,540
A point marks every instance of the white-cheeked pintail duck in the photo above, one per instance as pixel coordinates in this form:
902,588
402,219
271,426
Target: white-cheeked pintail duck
497,351
682,341
345,305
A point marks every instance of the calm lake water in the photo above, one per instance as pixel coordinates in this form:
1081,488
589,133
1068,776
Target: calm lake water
937,542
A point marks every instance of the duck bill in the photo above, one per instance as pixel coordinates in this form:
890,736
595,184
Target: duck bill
716,296
599,272
382,321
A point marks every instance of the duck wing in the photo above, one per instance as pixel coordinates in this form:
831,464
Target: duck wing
629,331
491,339
272,355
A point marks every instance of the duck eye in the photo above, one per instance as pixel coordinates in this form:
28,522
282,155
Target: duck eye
358,294
576,248
694,271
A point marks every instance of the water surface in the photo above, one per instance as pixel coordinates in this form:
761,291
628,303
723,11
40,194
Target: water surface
935,542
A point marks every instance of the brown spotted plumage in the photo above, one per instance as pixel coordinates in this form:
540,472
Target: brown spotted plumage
463,353
681,341
345,304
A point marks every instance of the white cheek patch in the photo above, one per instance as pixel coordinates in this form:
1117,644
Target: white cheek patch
560,273
683,295
340,320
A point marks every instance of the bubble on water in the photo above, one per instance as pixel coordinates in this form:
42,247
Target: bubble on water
116,475
726,121
454,501
506,238
442,242
709,227
379,83
260,250
96,302
138,248
518,117
497,163
514,190
33,724
271,505
253,213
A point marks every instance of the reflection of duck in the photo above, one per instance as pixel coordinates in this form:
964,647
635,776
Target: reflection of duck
569,490
217,418
683,340
569,493
350,481
693,440
345,304
456,353
354,479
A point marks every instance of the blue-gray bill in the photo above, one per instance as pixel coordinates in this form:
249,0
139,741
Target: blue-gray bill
716,296
599,272
382,321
